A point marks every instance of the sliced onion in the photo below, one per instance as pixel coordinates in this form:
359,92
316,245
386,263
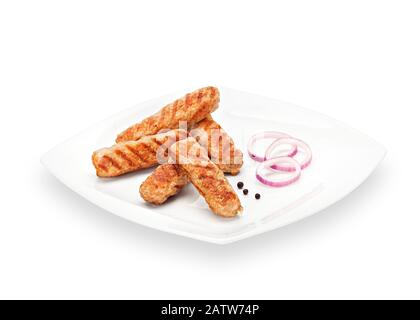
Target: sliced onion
293,142
268,135
276,161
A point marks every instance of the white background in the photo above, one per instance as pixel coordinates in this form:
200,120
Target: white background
65,65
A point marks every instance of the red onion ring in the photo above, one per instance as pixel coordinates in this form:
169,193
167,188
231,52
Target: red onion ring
278,183
268,135
294,142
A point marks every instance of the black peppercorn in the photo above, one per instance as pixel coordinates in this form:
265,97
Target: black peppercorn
257,196
245,191
240,185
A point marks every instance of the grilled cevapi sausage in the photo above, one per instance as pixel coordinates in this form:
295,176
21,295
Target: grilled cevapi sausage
134,155
206,177
191,108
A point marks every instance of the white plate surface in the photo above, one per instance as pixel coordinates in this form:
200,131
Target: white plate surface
342,159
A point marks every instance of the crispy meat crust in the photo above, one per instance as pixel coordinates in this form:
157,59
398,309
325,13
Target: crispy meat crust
221,147
133,155
166,181
207,178
192,108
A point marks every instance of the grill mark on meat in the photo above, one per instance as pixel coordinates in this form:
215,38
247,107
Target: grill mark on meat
188,101
125,157
148,149
158,142
103,167
113,162
135,152
212,92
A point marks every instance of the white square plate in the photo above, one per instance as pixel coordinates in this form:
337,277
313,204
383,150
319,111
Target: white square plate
342,159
